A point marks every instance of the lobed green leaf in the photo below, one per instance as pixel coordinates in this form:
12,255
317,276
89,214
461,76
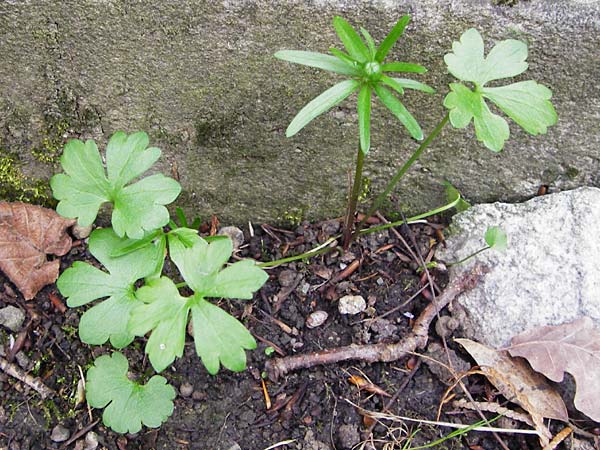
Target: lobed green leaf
127,404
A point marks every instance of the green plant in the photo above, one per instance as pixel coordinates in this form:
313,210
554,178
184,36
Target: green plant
494,237
526,102
134,296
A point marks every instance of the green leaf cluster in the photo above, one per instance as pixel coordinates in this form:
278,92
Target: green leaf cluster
132,253
526,102
128,405
364,64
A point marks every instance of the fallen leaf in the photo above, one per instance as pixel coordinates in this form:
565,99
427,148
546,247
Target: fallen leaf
572,347
27,234
518,383
361,383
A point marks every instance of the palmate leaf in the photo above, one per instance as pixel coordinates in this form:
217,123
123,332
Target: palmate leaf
127,404
83,283
219,337
85,186
527,102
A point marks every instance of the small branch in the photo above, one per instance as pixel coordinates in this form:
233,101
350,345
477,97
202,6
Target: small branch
34,383
380,352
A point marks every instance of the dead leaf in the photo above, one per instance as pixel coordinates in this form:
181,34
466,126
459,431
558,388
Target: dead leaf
572,347
516,381
361,383
27,234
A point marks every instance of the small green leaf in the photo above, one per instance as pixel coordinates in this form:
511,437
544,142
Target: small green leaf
318,60
239,280
496,238
412,84
127,404
398,109
403,67
345,58
137,208
351,40
527,103
393,84
220,338
370,43
452,194
321,104
83,283
364,118
391,38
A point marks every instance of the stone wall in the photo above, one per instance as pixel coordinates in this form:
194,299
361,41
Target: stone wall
200,78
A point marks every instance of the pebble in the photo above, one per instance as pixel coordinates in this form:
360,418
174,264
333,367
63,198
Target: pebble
348,435
81,232
12,318
186,389
91,441
316,319
352,304
235,234
59,434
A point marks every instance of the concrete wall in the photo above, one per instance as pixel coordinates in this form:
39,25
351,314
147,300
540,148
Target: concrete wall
200,78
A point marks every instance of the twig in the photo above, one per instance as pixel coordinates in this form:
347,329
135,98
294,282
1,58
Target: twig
34,383
79,434
380,352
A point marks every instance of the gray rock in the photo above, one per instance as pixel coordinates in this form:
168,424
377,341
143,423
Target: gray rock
59,434
548,275
81,232
220,118
316,319
12,318
352,304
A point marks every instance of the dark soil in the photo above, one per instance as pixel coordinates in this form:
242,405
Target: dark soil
227,412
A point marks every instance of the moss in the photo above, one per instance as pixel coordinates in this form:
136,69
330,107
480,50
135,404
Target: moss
294,216
572,172
16,186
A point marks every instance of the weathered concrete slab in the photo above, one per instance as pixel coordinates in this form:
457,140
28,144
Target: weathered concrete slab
201,79
548,275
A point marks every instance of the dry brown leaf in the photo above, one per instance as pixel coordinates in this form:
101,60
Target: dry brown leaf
572,347
27,234
516,381
361,383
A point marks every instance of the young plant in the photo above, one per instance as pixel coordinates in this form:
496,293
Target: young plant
495,238
526,102
365,65
133,253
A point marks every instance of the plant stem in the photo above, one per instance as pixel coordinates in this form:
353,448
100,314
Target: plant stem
399,174
353,199
472,255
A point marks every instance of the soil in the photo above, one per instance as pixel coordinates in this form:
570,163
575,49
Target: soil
312,409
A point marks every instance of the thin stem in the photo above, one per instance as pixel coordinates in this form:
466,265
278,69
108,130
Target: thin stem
472,255
309,254
399,174
353,200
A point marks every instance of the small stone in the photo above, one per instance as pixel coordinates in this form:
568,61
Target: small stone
235,446
286,278
59,434
198,395
235,234
186,389
12,318
316,319
352,304
91,441
81,232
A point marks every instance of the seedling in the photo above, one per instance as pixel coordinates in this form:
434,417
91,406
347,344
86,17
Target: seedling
526,102
494,237
133,253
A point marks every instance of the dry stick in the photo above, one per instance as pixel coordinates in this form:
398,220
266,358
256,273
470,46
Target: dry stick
34,383
381,352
